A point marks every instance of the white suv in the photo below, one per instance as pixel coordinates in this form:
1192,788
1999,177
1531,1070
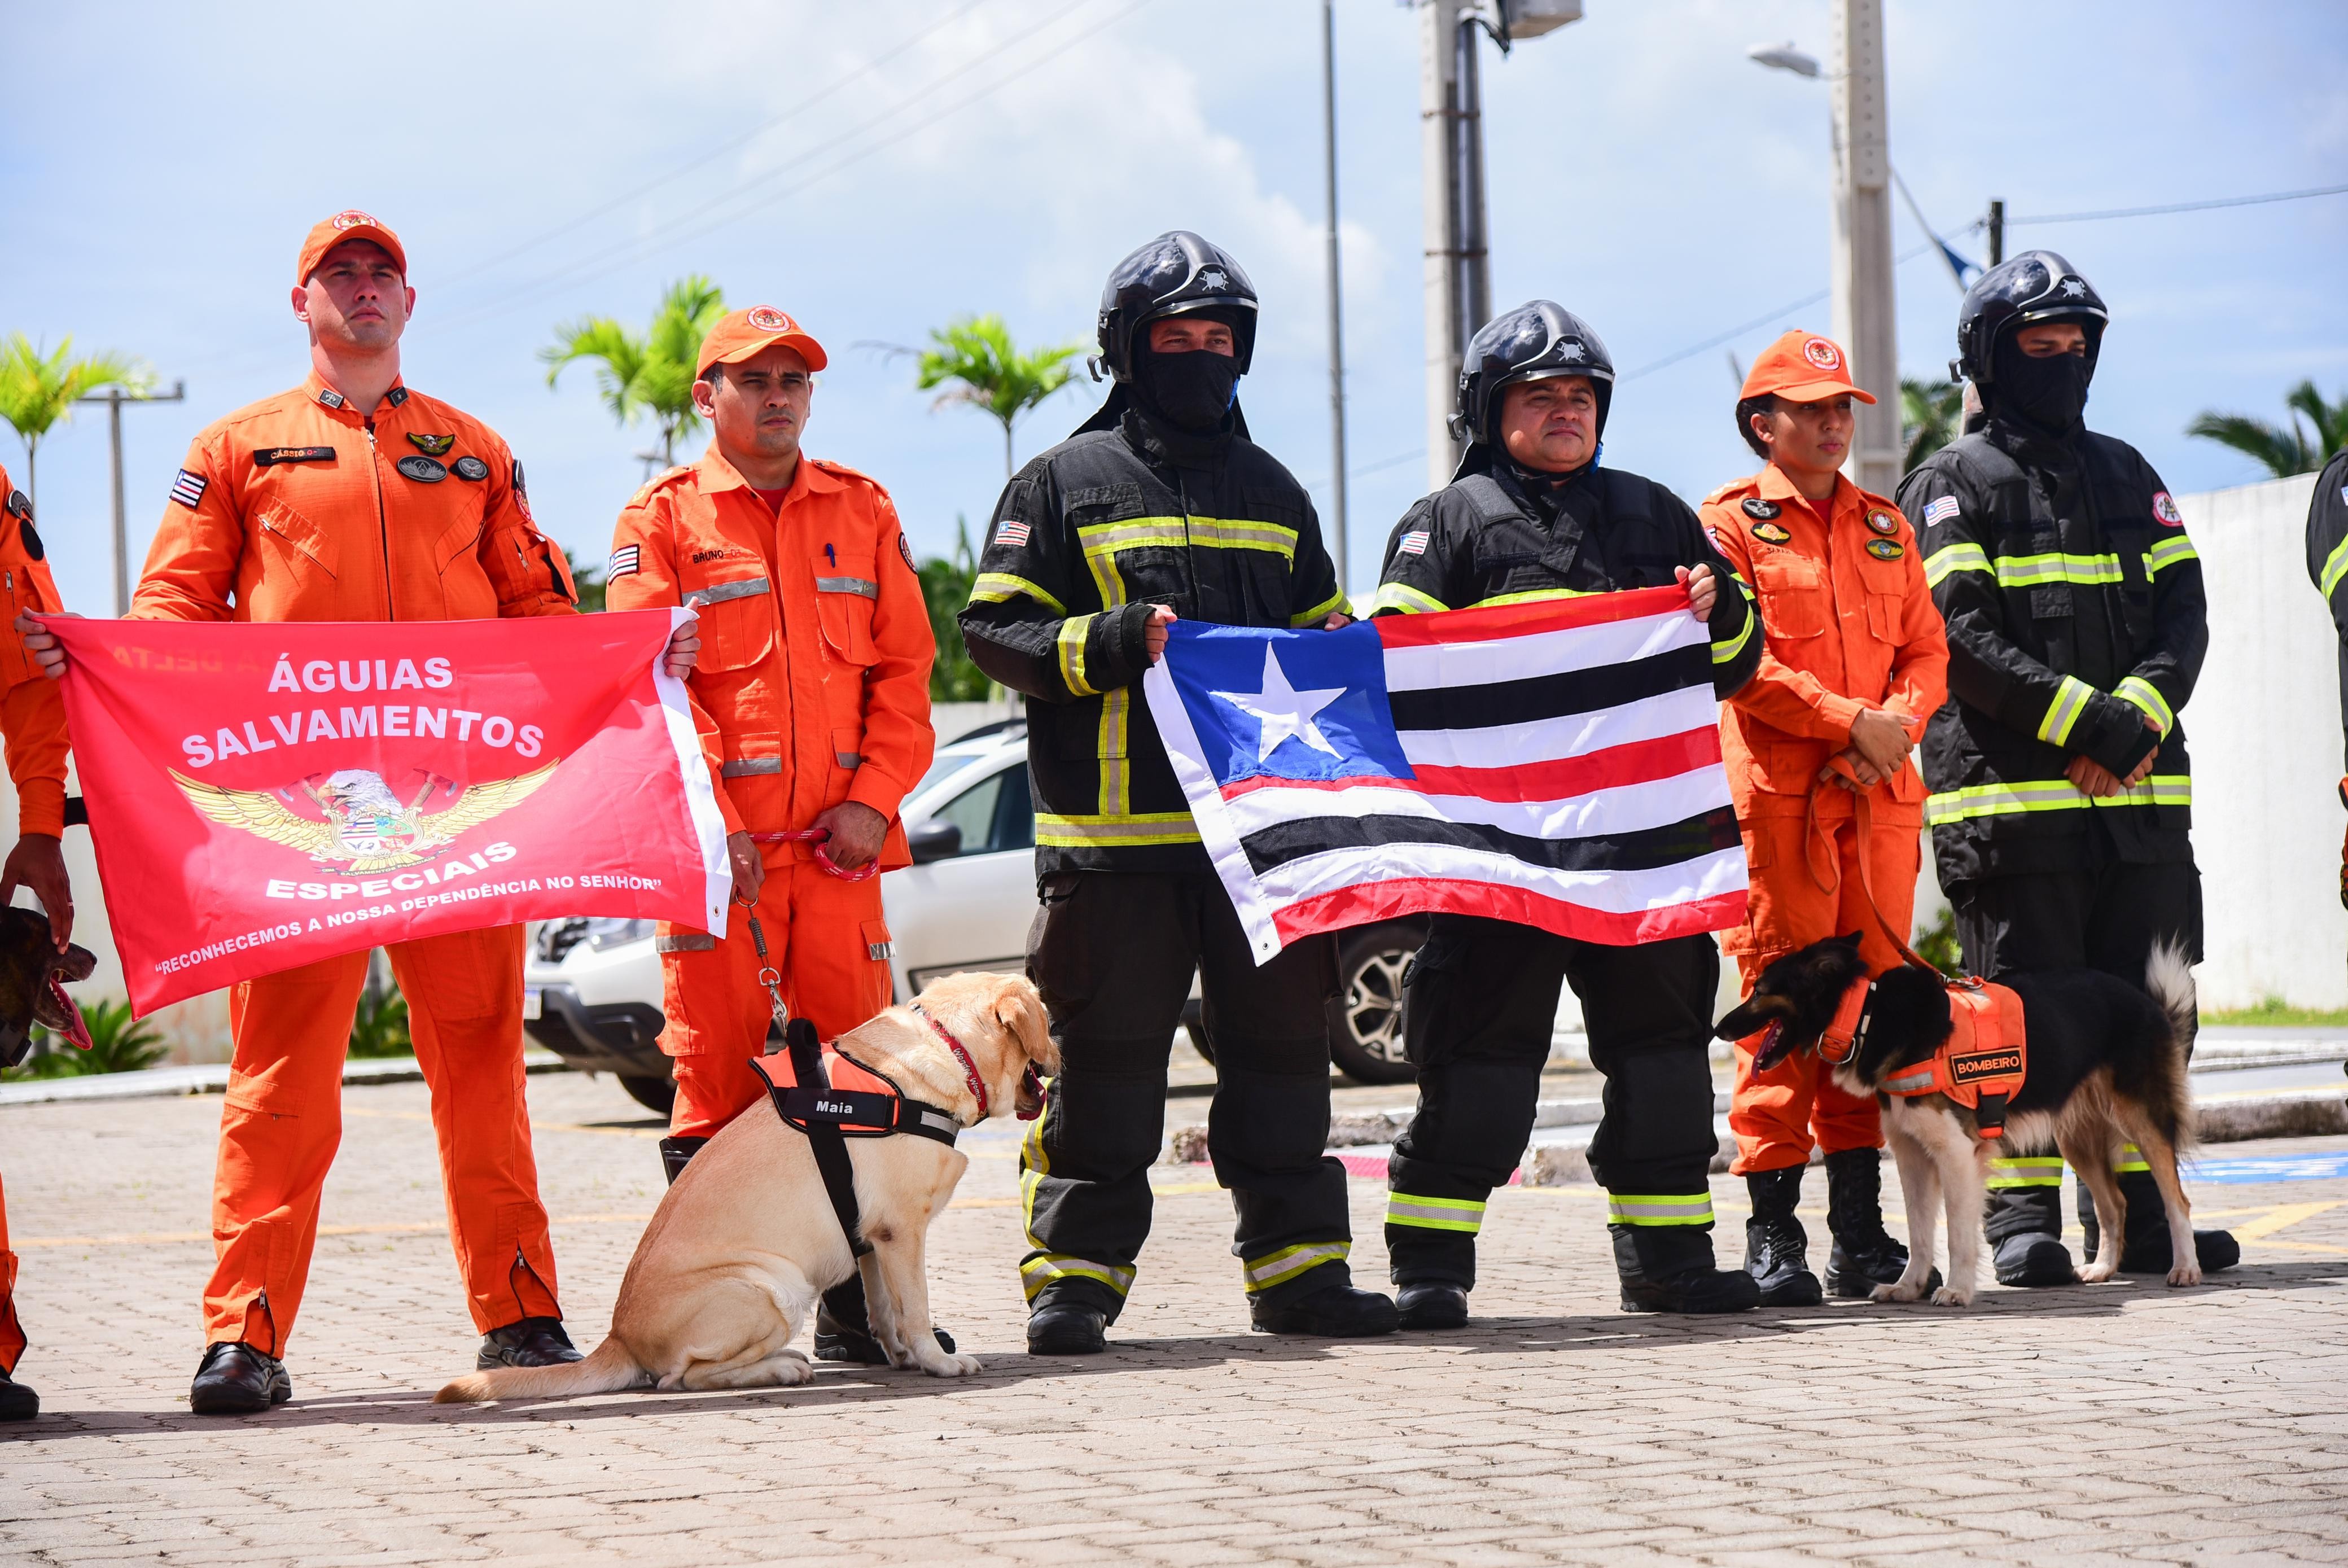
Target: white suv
593,987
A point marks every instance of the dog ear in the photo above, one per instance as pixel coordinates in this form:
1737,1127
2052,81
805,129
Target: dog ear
1849,941
1019,1010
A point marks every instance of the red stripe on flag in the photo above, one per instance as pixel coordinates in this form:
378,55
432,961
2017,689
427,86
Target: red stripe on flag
1365,902
1502,620
1636,762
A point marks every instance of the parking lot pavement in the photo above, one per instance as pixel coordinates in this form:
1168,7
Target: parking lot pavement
2123,1422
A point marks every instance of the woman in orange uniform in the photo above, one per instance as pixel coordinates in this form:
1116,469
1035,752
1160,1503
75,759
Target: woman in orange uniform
1827,796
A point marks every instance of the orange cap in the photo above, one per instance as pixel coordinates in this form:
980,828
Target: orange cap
1801,367
350,223
740,334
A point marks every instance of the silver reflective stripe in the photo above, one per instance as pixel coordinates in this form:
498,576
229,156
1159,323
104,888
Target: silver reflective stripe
942,1123
742,767
878,951
685,941
718,593
1462,1214
1920,1081
848,758
863,587
1285,1265
1659,1209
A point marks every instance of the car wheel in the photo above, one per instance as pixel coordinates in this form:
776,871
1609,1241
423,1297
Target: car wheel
1366,1020
1194,1024
653,1093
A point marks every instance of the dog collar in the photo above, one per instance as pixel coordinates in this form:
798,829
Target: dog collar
970,1068
1848,1031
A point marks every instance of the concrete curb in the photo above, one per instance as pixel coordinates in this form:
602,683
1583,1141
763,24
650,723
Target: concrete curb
164,1083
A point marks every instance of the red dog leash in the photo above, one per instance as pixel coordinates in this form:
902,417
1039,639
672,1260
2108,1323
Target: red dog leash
817,837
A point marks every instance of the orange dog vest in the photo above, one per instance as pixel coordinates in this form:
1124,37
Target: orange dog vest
1980,1066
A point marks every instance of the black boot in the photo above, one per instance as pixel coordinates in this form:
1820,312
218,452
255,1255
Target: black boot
235,1379
1333,1312
527,1342
1668,1268
843,1327
2025,1233
1424,1307
677,1153
17,1403
1775,1245
1067,1328
1864,1255
2144,1240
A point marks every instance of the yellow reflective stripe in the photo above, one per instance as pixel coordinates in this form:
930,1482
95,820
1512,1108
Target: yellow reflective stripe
994,587
1954,558
2037,570
2062,714
2168,553
1435,1213
2050,795
2036,1170
1402,596
1173,533
1333,606
1037,1272
1071,644
2147,696
2130,1158
1279,1267
2335,567
1114,829
1530,596
1659,1209
1112,752
1725,652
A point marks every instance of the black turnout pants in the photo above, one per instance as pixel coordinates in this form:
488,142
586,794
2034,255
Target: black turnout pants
1483,997
1113,954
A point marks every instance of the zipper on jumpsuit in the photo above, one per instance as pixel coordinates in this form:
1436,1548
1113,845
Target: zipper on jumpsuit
382,519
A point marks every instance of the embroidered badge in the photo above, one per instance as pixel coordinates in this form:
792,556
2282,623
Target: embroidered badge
1775,534
625,562
767,318
2165,510
29,539
187,490
1885,548
20,505
1010,531
1882,521
1765,509
905,549
431,445
1942,511
1414,543
330,397
270,457
1822,354
423,470
471,468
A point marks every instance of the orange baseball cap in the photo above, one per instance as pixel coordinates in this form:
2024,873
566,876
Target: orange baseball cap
1802,367
740,334
350,223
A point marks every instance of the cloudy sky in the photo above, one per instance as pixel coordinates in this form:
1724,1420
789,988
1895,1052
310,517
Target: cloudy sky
877,168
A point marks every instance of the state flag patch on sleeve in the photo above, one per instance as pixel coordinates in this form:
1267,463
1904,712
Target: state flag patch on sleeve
1940,510
626,561
1414,543
187,490
1011,532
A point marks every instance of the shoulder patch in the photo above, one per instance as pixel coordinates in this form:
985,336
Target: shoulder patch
905,549
626,561
28,537
1765,509
1883,520
2164,509
20,505
189,489
1940,510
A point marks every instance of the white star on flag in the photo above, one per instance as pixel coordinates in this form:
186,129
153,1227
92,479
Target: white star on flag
1283,711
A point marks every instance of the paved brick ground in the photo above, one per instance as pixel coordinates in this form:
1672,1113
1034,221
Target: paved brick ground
2126,1422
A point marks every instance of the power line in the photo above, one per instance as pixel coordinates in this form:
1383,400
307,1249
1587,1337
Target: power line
1759,320
2184,206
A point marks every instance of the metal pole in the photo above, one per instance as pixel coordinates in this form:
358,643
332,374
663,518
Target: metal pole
1336,288
1996,231
1862,252
114,398
1438,108
1475,252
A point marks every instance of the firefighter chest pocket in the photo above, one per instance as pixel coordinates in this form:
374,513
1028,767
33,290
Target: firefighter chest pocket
737,623
295,543
1793,595
846,594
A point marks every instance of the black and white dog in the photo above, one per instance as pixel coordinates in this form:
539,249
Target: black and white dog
2106,1064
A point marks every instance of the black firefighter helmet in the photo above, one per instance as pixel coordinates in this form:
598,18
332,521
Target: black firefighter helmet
1176,274
2036,285
1534,342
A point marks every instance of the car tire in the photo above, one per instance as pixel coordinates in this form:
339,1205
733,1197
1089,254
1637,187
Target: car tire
1194,1024
1365,1016
653,1093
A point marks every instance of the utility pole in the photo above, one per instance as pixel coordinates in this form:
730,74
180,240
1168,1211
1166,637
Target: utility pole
1996,231
114,398
1451,142
1862,251
1336,287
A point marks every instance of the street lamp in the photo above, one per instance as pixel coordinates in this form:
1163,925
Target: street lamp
1782,57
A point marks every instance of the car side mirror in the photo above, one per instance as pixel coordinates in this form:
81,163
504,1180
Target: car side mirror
934,841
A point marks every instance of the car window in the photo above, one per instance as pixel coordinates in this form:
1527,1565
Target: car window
944,765
1014,812
995,814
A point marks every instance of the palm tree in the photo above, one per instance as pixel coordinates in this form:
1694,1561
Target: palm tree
1929,416
985,369
37,389
946,584
2285,451
651,373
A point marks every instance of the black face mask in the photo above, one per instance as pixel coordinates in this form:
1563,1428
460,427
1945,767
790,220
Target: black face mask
2047,395
1190,391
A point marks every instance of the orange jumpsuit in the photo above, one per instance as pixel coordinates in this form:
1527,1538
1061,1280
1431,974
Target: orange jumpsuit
812,688
298,508
1849,624
33,719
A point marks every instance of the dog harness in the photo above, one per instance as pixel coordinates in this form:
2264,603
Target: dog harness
1980,1066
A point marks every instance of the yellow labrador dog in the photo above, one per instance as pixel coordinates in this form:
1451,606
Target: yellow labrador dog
744,1243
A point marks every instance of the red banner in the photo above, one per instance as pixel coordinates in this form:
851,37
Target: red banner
264,796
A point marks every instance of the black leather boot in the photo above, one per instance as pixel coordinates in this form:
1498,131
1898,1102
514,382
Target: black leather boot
17,1403
843,1327
1864,1255
1067,1328
2025,1235
235,1379
2144,1240
1775,1246
1335,1312
677,1153
1425,1306
1669,1268
527,1342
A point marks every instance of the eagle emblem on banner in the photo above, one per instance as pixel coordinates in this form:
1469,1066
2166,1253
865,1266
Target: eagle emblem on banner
365,827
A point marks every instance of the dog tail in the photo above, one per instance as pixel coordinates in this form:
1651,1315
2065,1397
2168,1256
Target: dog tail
607,1370
2169,977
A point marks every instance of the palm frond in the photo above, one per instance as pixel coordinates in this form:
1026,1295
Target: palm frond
2329,420
2282,451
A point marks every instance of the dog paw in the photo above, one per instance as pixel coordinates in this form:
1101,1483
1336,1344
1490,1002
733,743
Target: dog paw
1903,1290
1949,1295
2188,1273
2096,1274
947,1366
791,1369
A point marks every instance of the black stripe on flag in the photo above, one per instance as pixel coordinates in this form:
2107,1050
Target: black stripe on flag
1647,849
1553,697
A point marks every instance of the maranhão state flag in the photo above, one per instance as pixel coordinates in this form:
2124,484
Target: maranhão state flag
263,795
1556,763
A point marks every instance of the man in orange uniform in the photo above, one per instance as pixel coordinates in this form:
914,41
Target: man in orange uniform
32,718
352,498
812,699
1829,800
